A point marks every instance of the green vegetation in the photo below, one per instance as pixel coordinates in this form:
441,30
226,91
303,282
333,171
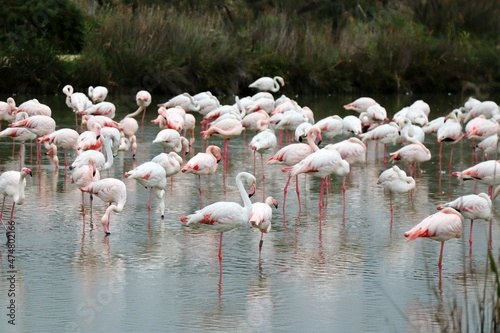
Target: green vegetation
318,46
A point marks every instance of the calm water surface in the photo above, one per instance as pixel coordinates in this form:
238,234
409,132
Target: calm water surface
349,271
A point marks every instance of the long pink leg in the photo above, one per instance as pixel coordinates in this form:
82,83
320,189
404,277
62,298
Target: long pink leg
220,253
321,189
470,234
440,261
343,192
451,156
298,191
143,115
12,213
150,198
254,161
83,203
262,166
1,213
285,191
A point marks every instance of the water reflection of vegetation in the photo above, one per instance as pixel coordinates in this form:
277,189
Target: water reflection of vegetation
222,46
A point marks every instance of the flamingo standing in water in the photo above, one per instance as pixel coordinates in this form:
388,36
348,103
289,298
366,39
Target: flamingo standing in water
203,164
267,83
112,191
227,129
39,125
64,138
414,153
261,143
12,184
450,131
7,110
293,154
77,101
361,104
441,226
224,216
472,207
261,217
97,94
152,175
18,134
487,172
395,180
129,127
84,174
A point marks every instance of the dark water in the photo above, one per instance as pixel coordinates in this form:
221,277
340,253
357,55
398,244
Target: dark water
349,271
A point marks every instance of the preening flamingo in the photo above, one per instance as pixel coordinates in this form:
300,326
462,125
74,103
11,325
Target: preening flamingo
441,226
34,108
112,191
39,125
106,109
395,180
64,138
450,131
129,127
261,217
414,153
266,83
184,100
224,216
84,174
97,94
226,129
472,207
330,127
169,138
12,184
77,101
152,175
203,164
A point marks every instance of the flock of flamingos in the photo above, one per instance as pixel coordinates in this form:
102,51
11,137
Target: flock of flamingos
283,128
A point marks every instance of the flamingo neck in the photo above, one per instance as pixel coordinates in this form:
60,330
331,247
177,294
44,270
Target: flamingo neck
109,154
247,204
19,198
137,112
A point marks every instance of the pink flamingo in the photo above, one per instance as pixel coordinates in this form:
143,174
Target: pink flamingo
413,153
330,127
487,172
18,134
351,126
189,125
441,226
129,127
103,121
84,175
152,175
39,125
293,154
472,207
34,108
385,133
261,217
266,83
89,139
12,184
261,143
143,100
97,94
451,131
224,216
184,100
361,104
171,162
203,164
395,180
226,129
169,138
106,109
488,109
7,110
64,138
77,101
321,163
256,121
112,191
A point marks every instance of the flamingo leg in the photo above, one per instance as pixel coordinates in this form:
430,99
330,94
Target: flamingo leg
285,191
470,233
262,167
298,191
12,213
261,242
254,161
143,115
150,198
343,192
451,157
220,253
83,204
1,213
321,189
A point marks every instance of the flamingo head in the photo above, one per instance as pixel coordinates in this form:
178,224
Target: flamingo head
27,171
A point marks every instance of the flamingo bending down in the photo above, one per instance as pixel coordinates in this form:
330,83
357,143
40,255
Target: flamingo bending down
261,217
84,175
224,216
227,129
472,207
261,143
129,126
361,104
487,172
266,83
112,191
64,138
39,125
152,175
441,226
169,138
12,184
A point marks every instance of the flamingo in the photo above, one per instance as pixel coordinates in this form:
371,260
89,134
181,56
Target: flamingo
441,226
84,175
415,152
411,133
385,133
77,101
97,94
184,100
34,108
19,134
12,184
169,138
262,143
203,164
39,125
450,131
361,104
266,83
472,207
152,175
84,158
321,163
261,217
395,180
226,129
103,121
106,109
351,126
171,162
224,216
488,109
129,127
143,100
112,191
486,172
420,104
330,126
65,138
89,139
293,154
7,110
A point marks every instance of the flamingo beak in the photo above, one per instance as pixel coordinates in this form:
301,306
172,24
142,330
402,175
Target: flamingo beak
252,190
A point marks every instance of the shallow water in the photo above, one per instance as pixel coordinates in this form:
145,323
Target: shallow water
338,271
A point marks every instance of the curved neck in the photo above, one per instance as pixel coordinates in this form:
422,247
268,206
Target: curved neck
137,112
20,195
276,85
244,195
109,154
311,142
